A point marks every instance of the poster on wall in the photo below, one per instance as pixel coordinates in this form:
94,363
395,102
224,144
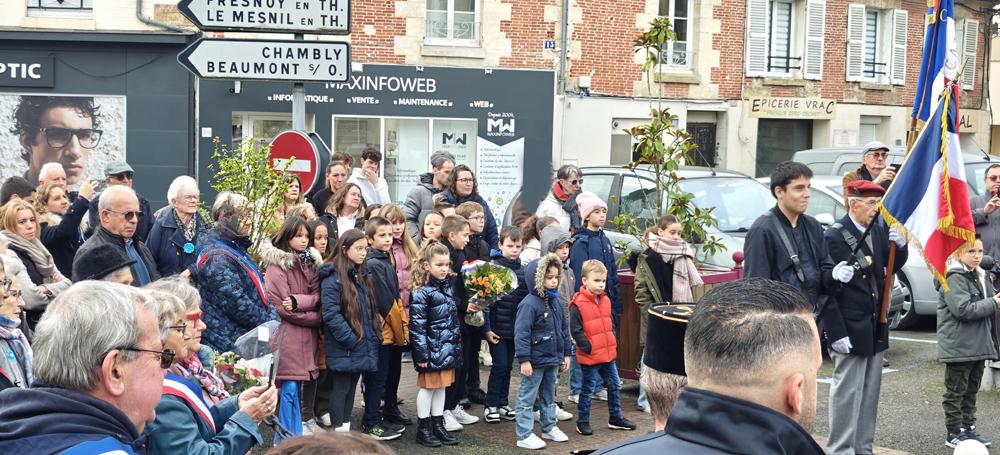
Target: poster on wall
83,133
499,173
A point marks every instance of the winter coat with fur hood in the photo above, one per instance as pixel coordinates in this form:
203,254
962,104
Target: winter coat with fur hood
297,339
541,334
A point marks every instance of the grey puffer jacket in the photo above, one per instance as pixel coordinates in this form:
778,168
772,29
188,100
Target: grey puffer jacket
965,316
419,202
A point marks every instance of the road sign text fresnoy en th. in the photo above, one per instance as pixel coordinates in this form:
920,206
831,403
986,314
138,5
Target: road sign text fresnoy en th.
299,16
300,61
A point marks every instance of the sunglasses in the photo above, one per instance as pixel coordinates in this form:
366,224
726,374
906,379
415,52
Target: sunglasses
193,316
576,182
130,215
60,137
123,176
166,356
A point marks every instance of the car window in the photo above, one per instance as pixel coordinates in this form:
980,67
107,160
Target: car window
821,202
599,184
975,175
738,201
848,167
639,199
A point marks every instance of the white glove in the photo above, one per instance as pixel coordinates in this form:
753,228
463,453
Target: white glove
843,272
842,345
897,238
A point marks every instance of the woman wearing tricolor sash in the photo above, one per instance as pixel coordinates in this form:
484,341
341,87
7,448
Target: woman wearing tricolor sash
195,414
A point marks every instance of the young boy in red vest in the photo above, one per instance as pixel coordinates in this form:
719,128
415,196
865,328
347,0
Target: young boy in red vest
592,329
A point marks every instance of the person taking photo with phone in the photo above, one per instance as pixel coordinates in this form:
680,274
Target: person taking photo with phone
874,167
985,213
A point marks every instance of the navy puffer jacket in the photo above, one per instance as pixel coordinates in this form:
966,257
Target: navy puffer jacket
345,352
504,312
435,335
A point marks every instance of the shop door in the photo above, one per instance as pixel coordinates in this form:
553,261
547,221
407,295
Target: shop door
703,134
778,140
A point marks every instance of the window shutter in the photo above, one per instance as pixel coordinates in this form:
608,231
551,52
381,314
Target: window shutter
756,53
855,41
900,21
812,67
970,47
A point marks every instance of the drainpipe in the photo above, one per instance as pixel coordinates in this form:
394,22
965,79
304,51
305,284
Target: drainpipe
563,51
154,22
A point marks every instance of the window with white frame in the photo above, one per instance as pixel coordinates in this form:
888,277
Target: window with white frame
77,5
784,38
876,45
678,54
968,43
780,57
452,22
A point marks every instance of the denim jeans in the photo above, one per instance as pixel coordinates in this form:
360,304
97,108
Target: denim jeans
499,383
541,384
575,376
374,389
604,372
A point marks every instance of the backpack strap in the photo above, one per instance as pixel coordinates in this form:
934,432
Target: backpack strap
792,255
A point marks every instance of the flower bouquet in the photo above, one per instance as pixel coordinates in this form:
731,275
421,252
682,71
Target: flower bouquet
237,373
485,283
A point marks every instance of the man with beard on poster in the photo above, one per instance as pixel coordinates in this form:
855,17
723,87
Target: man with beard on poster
60,129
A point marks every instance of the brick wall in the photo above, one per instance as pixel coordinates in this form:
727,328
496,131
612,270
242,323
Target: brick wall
528,31
374,26
606,36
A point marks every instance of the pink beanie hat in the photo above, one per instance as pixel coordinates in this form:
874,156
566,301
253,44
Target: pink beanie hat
586,203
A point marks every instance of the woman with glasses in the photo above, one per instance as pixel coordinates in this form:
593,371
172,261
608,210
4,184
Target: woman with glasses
15,352
21,231
561,200
345,211
176,235
195,414
462,187
60,220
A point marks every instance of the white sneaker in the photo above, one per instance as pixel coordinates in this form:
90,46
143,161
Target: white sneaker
491,414
306,431
556,435
602,395
345,428
574,398
532,442
485,358
463,417
313,426
562,415
538,416
507,413
450,424
325,420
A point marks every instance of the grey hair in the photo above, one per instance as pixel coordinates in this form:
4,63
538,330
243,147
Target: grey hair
46,167
227,204
662,390
568,170
178,286
112,193
113,276
439,158
178,184
81,326
169,308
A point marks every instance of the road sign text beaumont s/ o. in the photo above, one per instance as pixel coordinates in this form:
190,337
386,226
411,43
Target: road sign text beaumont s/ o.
300,61
301,16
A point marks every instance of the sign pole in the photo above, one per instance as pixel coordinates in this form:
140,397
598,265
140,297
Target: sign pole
299,99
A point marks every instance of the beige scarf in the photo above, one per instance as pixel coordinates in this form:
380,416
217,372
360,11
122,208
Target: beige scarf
39,255
685,273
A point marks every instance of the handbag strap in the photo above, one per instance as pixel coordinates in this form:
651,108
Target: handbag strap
792,255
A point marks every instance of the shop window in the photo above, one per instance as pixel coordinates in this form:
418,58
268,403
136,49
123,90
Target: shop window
678,54
452,22
263,128
778,140
77,5
405,157
352,135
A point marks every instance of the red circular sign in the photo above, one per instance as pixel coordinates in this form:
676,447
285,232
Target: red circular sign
296,144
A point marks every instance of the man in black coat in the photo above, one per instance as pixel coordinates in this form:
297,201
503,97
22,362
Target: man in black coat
850,323
784,244
751,353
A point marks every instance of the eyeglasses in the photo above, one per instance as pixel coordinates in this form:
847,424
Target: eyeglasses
180,328
166,356
194,316
128,215
16,293
6,284
122,176
576,182
190,197
60,137
466,180
878,155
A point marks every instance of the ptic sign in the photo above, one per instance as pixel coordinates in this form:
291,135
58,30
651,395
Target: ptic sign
300,16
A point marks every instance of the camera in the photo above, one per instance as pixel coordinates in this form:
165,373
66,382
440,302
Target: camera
992,269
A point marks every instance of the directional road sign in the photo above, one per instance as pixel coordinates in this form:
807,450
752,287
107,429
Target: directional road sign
299,16
274,60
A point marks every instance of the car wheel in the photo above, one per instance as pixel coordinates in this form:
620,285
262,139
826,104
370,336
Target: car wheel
907,317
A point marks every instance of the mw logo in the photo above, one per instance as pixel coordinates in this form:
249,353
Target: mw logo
500,125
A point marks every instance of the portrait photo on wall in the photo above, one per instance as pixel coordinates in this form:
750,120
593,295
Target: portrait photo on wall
83,133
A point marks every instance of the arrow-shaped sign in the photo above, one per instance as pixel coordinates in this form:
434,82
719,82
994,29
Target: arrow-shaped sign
276,60
300,16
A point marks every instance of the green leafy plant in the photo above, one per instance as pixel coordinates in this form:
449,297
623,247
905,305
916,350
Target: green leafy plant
663,159
245,169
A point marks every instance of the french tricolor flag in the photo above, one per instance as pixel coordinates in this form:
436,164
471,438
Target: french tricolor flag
939,64
929,199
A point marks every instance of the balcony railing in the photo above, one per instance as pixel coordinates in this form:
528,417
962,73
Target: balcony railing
75,5
676,59
455,31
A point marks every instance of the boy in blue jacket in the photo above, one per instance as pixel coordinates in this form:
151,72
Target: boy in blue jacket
591,243
542,345
499,328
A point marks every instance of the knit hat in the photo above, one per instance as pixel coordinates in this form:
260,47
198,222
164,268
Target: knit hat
586,203
98,262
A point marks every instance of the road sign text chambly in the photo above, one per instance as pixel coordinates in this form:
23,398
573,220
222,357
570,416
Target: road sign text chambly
303,16
301,61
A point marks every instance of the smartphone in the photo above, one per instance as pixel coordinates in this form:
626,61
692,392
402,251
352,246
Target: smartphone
993,192
895,167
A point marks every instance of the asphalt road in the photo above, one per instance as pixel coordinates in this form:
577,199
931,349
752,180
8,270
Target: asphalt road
910,415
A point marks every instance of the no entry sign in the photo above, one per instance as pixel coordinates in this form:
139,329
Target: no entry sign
300,61
296,144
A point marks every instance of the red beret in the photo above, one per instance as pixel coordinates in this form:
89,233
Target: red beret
864,188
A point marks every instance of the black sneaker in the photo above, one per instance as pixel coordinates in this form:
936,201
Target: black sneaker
584,428
392,426
621,423
954,438
971,433
381,433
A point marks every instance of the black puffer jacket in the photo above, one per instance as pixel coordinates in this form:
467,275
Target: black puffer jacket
504,312
434,326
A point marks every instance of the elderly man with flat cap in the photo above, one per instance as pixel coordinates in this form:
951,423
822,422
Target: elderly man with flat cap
851,322
874,168
121,173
